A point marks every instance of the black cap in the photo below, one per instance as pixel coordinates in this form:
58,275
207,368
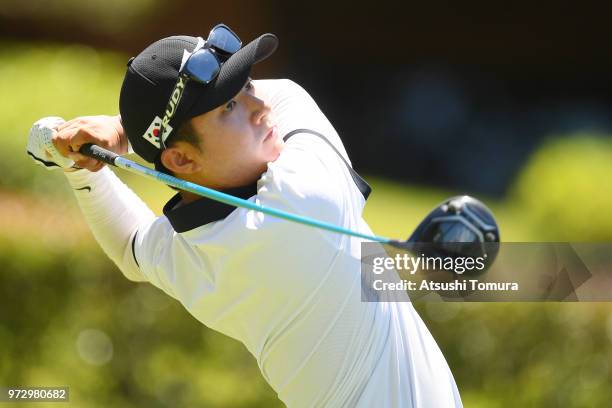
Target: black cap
151,76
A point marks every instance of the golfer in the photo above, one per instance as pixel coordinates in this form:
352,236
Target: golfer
290,293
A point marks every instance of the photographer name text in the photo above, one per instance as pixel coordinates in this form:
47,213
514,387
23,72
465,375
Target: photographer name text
425,285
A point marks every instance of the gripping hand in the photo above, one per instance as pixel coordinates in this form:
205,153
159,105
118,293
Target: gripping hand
40,144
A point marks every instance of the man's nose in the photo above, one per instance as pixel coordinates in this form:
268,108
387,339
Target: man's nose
258,107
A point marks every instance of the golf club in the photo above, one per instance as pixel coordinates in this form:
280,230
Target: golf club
451,222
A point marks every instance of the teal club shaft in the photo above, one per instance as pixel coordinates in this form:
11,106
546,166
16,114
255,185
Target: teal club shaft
114,159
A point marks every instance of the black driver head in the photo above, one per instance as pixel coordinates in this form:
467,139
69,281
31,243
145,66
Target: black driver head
461,226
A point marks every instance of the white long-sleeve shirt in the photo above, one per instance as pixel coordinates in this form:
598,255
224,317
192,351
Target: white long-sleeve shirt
290,293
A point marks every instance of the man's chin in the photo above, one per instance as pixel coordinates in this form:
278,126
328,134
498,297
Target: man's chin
278,148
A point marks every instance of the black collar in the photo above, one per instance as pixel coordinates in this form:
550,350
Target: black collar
200,212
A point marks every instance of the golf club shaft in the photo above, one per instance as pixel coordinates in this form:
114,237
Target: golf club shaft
116,160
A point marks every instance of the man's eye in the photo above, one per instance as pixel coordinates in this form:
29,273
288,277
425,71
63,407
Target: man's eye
249,85
230,106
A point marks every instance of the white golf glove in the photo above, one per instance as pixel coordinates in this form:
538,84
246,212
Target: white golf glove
40,146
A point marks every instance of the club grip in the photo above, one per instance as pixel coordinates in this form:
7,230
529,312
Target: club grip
98,153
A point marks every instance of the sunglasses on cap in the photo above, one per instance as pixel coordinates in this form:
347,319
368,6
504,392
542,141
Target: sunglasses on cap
202,66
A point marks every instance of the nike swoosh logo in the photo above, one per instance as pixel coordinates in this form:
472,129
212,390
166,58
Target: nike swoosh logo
84,188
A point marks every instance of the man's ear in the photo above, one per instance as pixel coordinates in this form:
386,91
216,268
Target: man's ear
181,158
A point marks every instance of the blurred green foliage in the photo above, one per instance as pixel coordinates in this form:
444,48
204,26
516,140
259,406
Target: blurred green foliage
68,317
565,190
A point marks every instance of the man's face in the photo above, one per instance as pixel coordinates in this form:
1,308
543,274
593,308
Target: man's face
237,140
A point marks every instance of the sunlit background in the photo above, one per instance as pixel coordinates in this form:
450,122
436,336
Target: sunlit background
510,103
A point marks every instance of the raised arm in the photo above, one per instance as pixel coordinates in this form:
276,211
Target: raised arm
113,211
